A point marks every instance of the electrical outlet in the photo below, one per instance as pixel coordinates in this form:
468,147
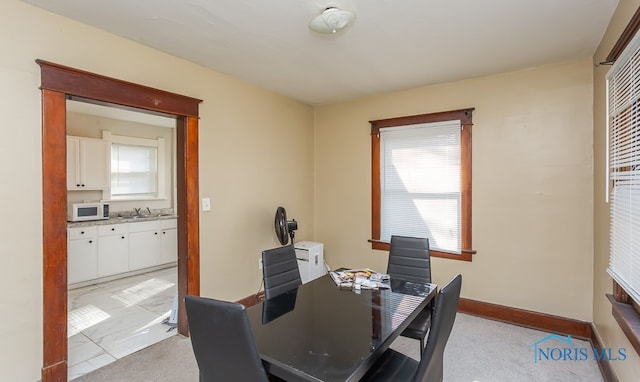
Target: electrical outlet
260,263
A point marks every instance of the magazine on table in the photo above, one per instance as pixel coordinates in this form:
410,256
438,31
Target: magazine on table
363,278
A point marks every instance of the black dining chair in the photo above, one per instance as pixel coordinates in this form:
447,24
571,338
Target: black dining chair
395,366
409,260
222,341
280,271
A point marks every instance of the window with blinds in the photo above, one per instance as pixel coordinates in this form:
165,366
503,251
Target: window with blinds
134,170
138,168
623,144
420,183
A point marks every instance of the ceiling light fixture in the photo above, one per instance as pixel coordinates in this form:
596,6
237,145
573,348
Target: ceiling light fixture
331,20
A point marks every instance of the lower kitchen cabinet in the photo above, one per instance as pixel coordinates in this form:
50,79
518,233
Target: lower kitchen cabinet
111,249
152,243
82,259
143,245
168,241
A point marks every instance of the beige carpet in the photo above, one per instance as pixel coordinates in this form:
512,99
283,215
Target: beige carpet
169,360
479,350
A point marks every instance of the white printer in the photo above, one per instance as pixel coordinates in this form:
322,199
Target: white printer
310,257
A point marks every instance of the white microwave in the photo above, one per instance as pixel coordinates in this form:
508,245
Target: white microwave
88,211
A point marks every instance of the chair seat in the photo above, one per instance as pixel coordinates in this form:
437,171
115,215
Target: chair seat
392,366
419,327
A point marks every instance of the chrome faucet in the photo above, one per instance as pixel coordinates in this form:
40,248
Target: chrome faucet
141,212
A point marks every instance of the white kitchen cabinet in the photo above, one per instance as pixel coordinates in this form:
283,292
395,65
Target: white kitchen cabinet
82,259
144,244
105,250
113,249
88,163
152,243
168,245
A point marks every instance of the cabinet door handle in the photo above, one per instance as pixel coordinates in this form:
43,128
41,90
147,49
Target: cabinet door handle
90,241
123,237
155,233
77,185
81,232
164,232
113,229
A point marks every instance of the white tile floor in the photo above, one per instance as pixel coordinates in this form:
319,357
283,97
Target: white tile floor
110,320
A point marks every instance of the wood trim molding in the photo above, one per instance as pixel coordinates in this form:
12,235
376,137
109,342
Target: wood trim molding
103,89
465,118
604,366
54,237
527,318
60,83
252,299
464,256
625,38
627,317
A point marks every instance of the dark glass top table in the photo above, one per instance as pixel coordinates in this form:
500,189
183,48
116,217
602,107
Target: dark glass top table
319,332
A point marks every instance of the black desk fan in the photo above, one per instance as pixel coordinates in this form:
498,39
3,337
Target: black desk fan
284,228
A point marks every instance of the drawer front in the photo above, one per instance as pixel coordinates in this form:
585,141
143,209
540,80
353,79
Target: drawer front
144,226
113,229
82,232
168,223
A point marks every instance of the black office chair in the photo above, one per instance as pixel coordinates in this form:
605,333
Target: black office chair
280,271
395,366
222,341
409,260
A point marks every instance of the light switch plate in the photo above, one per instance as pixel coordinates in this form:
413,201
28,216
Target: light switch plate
206,204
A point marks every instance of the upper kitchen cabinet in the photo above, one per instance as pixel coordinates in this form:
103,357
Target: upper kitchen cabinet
88,163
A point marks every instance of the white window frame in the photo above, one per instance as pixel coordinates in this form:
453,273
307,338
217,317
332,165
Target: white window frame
159,144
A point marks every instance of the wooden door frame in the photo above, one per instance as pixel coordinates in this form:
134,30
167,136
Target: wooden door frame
59,83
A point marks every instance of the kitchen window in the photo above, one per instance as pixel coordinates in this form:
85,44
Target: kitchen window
136,170
421,181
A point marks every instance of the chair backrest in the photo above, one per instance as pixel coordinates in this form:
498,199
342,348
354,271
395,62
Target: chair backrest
431,364
222,341
409,259
280,270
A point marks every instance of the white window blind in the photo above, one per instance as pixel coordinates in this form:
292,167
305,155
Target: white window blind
420,183
623,109
134,170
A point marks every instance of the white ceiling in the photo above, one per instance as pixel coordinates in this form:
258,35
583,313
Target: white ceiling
392,45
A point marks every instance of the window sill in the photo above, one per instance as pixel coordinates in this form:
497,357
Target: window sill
629,320
466,255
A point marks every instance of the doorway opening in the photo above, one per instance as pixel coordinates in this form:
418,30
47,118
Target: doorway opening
122,294
58,84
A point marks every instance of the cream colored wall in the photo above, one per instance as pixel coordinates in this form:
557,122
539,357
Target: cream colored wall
256,152
532,184
606,327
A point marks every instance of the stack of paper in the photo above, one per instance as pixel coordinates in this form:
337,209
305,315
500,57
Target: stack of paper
360,279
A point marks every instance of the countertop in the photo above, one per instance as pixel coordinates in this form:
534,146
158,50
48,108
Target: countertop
122,219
